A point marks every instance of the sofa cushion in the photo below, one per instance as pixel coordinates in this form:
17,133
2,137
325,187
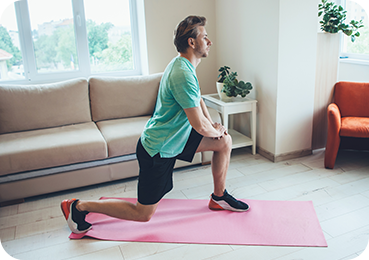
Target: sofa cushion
37,149
122,135
113,98
355,127
29,107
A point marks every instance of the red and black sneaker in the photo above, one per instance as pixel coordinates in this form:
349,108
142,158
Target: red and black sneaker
227,202
75,218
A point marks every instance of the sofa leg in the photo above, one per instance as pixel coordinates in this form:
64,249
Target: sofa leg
11,202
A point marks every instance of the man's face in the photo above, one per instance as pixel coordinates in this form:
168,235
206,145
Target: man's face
202,43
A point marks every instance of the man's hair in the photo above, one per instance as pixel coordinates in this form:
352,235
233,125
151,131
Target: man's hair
187,29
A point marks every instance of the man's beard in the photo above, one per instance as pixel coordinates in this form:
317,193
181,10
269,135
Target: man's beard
201,53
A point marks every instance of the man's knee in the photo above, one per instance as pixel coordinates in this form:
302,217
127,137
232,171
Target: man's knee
145,213
228,142
145,217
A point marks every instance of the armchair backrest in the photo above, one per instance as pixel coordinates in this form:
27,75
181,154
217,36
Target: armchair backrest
352,98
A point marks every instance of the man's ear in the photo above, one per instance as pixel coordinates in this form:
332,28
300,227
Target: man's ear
191,42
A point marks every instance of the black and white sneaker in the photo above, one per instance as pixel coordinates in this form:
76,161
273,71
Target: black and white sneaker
75,218
227,202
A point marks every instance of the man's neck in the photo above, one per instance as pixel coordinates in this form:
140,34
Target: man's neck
191,57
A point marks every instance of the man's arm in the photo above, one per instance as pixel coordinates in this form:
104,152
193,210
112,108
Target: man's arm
202,124
205,111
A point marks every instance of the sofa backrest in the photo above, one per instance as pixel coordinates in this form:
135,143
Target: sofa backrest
352,98
113,98
28,107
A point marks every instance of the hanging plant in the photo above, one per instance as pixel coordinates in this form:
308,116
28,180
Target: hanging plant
334,20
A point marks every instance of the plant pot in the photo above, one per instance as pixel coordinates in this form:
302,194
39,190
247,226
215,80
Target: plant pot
221,94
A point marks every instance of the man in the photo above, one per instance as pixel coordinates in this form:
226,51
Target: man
180,127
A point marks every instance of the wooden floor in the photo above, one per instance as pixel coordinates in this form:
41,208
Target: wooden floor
36,229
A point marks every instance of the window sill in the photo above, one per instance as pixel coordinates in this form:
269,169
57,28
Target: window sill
354,61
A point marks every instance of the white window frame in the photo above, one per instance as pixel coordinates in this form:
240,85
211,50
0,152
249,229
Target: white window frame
32,76
362,59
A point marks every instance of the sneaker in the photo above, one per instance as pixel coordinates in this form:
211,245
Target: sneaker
227,202
75,218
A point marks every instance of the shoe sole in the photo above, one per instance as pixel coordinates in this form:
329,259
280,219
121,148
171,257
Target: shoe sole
222,205
68,216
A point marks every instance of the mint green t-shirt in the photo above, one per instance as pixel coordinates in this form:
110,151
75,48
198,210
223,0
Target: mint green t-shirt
168,129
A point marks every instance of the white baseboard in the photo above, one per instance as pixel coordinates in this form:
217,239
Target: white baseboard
285,156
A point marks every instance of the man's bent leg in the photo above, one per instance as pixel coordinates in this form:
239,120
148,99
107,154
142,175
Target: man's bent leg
221,199
220,161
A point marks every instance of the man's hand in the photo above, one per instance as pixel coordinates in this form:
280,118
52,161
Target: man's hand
203,125
221,129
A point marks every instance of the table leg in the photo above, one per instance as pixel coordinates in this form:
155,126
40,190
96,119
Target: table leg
225,120
253,129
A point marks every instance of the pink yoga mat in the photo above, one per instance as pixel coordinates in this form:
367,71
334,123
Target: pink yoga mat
272,223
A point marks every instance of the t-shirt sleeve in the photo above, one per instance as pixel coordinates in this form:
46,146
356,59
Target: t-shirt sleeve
186,91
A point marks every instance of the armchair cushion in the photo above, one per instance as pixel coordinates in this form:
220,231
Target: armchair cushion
355,127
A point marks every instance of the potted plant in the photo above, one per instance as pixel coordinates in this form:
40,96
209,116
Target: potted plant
228,86
333,20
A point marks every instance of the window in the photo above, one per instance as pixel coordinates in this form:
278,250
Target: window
11,61
356,10
43,40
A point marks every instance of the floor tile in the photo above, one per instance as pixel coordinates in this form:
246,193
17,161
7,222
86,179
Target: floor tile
70,249
345,223
350,257
8,210
338,247
7,234
341,207
363,254
111,254
191,251
137,250
255,252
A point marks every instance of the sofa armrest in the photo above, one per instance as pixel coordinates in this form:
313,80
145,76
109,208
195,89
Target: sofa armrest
333,135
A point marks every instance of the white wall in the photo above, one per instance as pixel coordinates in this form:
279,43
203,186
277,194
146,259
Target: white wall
272,44
353,72
296,75
162,16
247,41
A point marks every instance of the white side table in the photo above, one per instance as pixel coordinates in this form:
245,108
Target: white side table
236,106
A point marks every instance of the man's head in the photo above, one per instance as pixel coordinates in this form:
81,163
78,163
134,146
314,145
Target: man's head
191,33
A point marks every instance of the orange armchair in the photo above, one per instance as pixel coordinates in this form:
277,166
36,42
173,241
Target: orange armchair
348,120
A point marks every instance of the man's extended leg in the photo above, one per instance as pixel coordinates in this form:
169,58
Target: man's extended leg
75,211
155,180
119,209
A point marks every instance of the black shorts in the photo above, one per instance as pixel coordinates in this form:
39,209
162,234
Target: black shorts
155,177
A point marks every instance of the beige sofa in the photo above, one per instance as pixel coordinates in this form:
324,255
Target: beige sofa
74,133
